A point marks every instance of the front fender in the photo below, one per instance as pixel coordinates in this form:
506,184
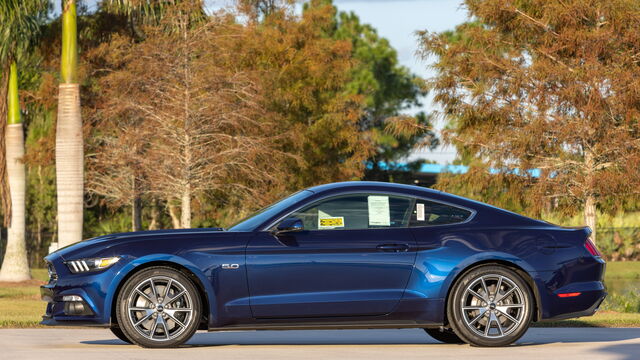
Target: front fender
132,266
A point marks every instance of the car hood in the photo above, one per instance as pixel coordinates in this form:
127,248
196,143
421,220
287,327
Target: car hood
107,241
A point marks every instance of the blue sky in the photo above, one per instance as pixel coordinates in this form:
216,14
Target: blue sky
398,20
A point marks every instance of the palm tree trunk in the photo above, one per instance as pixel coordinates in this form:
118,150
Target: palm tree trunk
15,266
69,142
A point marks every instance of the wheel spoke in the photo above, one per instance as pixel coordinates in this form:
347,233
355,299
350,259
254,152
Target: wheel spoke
506,294
140,309
478,295
144,318
176,297
146,296
152,332
511,318
166,290
484,287
171,313
483,312
153,289
495,296
487,327
473,308
160,321
497,321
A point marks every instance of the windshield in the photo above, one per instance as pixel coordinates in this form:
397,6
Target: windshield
254,220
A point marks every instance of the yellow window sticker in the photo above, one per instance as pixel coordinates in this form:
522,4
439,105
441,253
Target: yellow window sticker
331,222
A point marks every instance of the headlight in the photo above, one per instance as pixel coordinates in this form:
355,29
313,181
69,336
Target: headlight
86,265
53,276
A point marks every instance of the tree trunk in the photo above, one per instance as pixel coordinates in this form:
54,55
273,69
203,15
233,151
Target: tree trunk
136,214
155,214
175,220
15,266
69,165
590,216
69,142
185,205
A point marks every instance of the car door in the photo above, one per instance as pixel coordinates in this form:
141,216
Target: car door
354,257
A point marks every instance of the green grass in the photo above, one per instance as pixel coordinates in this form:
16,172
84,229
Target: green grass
600,319
623,270
21,307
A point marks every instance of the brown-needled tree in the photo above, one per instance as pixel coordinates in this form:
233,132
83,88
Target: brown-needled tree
187,119
547,85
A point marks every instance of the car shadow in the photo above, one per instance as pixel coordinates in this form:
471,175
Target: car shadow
534,337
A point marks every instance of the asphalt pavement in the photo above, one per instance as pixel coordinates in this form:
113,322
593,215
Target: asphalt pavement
538,343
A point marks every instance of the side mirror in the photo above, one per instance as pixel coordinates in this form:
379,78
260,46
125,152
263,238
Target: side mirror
289,225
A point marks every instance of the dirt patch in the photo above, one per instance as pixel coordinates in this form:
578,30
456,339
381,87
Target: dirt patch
32,282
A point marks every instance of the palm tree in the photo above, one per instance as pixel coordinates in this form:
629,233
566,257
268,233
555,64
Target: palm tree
69,141
15,266
19,26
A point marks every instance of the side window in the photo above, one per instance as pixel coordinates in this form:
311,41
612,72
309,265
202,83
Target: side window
426,213
356,211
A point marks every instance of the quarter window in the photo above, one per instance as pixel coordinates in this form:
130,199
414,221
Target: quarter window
426,213
356,211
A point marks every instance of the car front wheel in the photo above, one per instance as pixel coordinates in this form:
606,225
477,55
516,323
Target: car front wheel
490,306
159,307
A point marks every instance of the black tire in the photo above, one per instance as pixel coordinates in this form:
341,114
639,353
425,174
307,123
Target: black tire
115,329
173,316
490,317
446,336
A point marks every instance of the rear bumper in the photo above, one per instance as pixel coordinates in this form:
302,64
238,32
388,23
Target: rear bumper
584,312
575,290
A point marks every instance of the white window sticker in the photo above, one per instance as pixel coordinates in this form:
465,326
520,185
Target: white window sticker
420,212
379,210
326,221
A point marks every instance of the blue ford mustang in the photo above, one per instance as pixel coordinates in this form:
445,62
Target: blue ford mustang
337,256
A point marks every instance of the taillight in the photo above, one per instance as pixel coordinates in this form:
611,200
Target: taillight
591,248
566,295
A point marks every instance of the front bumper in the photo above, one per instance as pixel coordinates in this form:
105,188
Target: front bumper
93,289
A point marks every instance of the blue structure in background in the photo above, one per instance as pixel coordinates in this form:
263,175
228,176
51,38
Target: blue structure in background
434,169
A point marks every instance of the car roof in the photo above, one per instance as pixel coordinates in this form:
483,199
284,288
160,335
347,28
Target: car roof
370,185
487,210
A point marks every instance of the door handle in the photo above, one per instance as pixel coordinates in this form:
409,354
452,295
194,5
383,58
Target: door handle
393,247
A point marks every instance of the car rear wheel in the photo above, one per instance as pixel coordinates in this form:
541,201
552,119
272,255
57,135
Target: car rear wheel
490,306
159,307
446,336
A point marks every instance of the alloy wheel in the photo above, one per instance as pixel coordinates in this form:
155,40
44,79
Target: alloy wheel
160,308
493,306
